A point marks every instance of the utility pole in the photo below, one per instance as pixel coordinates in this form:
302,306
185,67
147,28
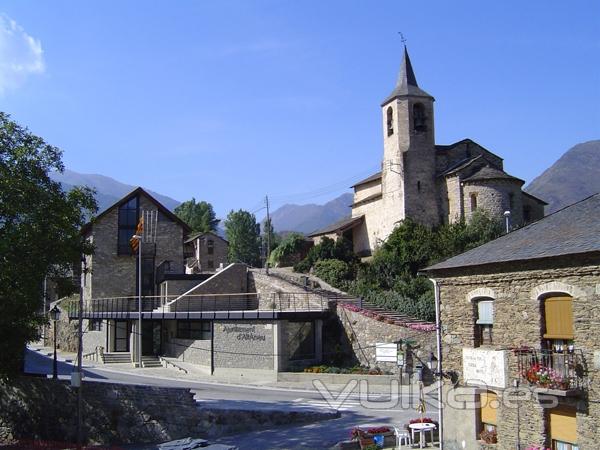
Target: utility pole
268,235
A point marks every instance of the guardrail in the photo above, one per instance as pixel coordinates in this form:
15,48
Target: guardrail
217,305
550,369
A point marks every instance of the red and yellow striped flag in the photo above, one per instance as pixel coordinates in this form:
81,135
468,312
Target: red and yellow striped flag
134,242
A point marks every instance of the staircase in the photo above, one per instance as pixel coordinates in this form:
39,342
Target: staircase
150,362
117,358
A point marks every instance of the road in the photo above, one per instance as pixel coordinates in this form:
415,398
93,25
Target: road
377,409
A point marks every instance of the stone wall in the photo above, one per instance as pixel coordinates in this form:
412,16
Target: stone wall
114,275
361,333
195,351
517,290
39,408
244,344
493,197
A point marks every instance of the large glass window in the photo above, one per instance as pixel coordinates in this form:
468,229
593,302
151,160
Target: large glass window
484,322
194,329
147,277
128,219
210,247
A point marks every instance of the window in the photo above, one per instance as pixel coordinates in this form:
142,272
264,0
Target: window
488,412
210,247
95,325
147,277
473,202
418,186
194,329
128,218
390,121
558,323
563,428
419,117
484,322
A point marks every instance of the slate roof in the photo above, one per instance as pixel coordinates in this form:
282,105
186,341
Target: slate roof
490,173
407,82
137,191
569,231
341,225
375,176
194,236
460,165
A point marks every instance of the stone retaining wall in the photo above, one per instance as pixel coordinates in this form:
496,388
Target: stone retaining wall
39,408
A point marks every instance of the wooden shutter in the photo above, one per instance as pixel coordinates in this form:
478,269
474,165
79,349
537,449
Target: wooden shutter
489,413
563,424
485,312
559,317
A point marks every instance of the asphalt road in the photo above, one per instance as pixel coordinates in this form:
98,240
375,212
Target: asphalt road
378,409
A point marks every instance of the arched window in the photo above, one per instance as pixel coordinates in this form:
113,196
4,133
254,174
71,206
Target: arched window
419,117
484,321
390,121
473,202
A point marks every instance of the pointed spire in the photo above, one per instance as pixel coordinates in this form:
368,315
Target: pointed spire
406,85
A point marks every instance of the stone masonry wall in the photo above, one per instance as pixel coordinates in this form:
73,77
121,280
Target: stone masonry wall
39,408
517,292
493,197
364,332
244,344
114,275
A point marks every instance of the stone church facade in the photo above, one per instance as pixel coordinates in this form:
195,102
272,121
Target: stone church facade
431,184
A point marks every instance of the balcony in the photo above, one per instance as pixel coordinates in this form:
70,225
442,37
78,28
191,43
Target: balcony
555,373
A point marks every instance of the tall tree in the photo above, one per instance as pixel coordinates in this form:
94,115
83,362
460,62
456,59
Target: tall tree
39,235
200,216
243,234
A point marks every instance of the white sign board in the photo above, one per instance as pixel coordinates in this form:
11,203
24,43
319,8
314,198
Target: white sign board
386,352
484,367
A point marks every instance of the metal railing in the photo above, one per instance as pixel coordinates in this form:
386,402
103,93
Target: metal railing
158,307
551,369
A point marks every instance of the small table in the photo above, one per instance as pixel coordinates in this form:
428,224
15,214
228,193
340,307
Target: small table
422,428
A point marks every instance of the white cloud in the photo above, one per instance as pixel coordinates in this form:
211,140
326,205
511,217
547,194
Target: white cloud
20,54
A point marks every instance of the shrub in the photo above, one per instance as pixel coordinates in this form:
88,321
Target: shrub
332,271
291,245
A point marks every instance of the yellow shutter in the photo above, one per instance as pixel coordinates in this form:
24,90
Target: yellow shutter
563,425
559,317
489,405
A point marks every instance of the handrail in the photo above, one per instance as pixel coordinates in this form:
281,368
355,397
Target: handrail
171,363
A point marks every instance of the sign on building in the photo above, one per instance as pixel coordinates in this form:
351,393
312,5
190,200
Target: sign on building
386,352
484,367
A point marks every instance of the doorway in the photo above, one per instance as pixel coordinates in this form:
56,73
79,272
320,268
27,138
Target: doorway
151,337
122,330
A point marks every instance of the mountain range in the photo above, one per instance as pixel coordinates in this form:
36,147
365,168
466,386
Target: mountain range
108,190
575,176
311,217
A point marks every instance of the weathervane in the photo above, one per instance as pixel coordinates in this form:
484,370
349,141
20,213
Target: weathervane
402,38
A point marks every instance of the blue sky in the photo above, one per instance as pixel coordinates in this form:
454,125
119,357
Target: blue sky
228,101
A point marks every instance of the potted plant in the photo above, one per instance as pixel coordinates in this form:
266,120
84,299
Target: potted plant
489,437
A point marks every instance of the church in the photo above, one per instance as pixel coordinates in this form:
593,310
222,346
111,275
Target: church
428,183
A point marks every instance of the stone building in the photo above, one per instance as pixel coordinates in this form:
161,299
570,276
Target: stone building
519,319
205,252
429,183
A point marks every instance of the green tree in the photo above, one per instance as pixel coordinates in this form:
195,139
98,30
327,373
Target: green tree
288,246
269,235
39,235
243,233
200,216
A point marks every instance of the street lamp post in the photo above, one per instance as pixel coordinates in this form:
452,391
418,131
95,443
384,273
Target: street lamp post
55,317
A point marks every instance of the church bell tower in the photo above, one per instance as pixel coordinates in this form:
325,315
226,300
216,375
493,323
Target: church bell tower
408,167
